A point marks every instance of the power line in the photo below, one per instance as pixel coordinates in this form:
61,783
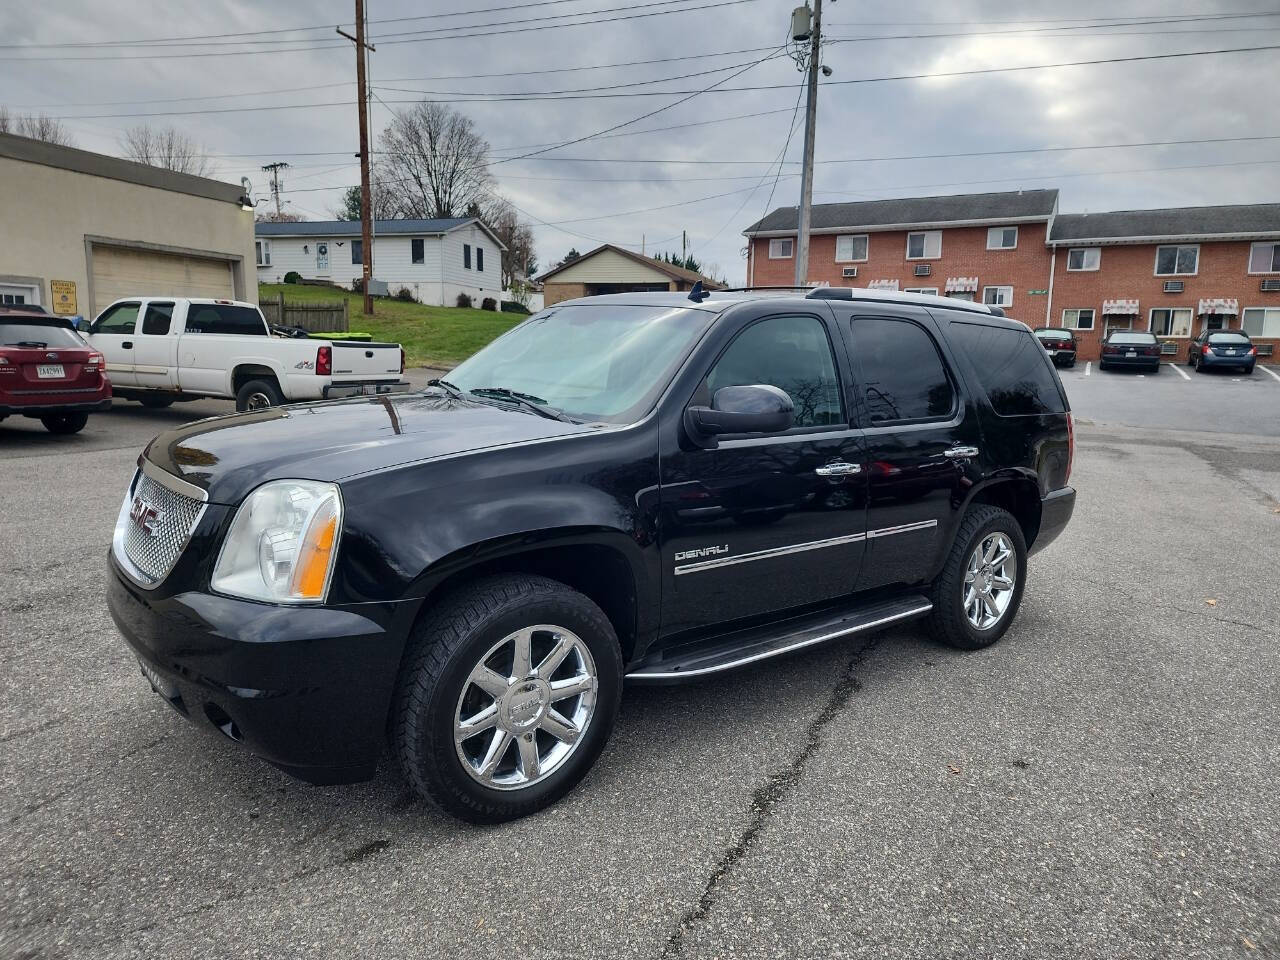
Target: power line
389,38
521,98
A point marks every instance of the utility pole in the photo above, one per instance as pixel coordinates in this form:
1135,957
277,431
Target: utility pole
684,247
274,169
806,174
362,96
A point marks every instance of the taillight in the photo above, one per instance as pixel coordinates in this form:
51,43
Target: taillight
1071,444
402,359
1253,351
6,365
1206,350
324,361
95,362
1152,351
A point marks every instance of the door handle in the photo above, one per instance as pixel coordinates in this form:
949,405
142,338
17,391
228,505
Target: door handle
127,345
839,469
960,453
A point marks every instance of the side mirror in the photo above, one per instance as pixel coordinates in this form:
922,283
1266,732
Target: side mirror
758,408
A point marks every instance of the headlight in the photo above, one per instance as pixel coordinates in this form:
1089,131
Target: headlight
282,543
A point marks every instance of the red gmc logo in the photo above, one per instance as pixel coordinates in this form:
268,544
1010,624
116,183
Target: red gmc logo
145,515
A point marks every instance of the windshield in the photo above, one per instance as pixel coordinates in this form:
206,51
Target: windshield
14,332
593,362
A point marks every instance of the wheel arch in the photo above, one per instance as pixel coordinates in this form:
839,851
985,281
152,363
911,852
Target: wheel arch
1018,492
242,373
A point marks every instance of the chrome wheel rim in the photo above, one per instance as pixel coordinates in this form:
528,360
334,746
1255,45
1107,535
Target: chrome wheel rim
989,581
525,707
257,401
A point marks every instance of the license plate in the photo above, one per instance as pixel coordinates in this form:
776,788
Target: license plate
166,688
50,371
1231,353
1132,353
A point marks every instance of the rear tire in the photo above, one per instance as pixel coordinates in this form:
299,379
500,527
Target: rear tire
1155,369
156,403
1248,371
952,620
64,423
258,395
469,643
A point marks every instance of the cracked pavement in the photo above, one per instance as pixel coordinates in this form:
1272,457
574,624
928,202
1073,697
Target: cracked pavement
1102,783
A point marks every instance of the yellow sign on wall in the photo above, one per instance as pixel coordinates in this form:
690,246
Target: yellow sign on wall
64,296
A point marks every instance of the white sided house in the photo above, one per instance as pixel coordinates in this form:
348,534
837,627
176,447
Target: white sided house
435,259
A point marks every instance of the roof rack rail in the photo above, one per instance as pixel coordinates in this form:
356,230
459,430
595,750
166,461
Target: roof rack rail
830,293
995,311
750,289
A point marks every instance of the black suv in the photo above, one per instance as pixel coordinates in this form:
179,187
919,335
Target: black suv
641,487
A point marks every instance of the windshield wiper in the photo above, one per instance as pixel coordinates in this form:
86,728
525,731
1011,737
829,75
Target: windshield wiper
452,389
39,344
526,400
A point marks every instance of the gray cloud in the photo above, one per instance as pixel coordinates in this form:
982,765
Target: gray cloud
1158,100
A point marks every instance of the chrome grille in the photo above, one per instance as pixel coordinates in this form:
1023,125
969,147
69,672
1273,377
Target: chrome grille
153,551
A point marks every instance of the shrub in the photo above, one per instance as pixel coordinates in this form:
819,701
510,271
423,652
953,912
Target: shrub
406,295
293,276
488,303
510,306
464,300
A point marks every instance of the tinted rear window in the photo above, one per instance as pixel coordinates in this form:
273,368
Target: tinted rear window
1228,338
225,318
903,377
1144,338
1012,367
13,332
1053,335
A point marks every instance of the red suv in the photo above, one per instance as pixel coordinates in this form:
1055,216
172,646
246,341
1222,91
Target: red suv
49,372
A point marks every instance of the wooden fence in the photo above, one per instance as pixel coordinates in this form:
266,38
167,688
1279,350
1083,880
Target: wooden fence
329,317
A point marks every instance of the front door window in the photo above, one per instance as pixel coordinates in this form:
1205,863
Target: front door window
322,257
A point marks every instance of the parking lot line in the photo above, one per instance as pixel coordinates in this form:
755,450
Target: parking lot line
1088,367
1177,368
1269,372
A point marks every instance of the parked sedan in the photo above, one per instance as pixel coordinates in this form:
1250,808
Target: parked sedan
1060,345
1222,348
48,372
1130,348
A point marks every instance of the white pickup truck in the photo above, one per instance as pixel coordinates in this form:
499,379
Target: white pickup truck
162,349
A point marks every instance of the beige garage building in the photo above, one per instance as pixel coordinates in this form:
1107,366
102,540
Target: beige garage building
79,230
610,269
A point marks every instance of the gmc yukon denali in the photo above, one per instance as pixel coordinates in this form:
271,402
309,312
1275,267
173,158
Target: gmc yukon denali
639,487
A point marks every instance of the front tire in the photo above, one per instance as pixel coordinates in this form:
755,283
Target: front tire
258,395
977,595
507,696
64,423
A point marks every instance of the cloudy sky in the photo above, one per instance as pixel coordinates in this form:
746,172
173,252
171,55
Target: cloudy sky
274,82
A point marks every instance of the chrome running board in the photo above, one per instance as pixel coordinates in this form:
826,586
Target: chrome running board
773,640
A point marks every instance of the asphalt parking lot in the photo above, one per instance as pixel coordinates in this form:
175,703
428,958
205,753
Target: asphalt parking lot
1102,783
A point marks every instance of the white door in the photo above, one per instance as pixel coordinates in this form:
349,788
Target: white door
155,347
13,293
114,334
322,257
121,272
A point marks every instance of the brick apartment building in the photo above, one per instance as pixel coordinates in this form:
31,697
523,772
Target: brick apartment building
1175,271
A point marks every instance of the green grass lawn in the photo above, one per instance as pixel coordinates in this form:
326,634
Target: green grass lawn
431,336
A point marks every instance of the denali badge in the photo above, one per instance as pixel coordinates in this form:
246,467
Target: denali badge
701,552
145,515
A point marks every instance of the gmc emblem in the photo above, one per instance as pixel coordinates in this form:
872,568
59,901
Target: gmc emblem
145,515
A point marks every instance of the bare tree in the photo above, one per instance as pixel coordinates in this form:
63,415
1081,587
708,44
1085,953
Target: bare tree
284,216
35,126
434,163
518,260
165,147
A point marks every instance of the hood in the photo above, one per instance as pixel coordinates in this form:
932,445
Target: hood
229,456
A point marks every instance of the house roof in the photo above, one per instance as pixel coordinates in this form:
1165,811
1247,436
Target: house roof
1007,207
671,270
351,228
1170,223
113,168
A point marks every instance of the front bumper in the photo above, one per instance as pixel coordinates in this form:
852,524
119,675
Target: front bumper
1055,513
306,688
337,391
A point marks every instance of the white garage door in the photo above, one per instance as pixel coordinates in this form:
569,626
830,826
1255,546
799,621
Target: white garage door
120,272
